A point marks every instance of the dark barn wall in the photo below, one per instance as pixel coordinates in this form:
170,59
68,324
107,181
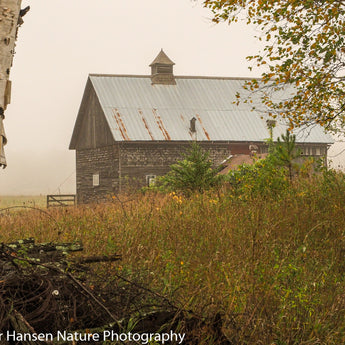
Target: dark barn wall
125,165
151,158
103,161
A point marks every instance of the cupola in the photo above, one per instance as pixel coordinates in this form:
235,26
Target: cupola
162,70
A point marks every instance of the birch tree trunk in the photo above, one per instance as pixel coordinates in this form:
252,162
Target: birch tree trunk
9,23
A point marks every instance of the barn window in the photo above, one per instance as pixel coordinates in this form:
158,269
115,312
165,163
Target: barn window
150,180
264,149
95,180
306,151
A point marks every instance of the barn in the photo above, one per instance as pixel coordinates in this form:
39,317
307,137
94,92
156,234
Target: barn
131,128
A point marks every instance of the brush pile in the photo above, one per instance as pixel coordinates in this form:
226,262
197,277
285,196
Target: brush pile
39,291
44,290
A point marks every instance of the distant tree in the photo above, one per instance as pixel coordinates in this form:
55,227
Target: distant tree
305,48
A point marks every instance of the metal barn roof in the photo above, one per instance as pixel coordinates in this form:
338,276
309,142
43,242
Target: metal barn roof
136,110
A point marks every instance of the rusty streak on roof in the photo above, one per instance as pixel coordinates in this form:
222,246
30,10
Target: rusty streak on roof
164,110
145,124
120,124
161,125
203,128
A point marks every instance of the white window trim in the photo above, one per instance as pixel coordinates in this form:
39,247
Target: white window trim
150,180
95,180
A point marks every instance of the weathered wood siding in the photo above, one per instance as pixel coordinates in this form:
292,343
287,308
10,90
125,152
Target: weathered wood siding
125,165
154,158
103,161
91,129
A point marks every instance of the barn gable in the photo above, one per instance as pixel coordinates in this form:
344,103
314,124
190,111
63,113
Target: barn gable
91,129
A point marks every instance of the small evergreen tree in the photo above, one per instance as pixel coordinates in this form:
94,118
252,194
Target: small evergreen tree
284,152
193,173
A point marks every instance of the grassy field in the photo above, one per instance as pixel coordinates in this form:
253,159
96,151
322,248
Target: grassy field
272,266
22,200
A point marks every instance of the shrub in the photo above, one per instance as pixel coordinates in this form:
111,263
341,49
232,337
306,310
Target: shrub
262,178
194,173
271,176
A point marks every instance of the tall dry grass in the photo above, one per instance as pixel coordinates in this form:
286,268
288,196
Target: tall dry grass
272,267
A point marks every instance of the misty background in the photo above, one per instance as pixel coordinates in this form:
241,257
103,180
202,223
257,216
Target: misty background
62,41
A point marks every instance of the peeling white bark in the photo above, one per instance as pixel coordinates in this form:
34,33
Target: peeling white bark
9,15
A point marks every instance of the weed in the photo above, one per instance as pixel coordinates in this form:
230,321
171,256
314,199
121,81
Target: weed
271,262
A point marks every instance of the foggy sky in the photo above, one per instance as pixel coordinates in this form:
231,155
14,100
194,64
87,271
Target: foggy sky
62,41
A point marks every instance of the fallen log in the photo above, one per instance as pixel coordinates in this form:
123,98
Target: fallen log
42,252
30,247
94,259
